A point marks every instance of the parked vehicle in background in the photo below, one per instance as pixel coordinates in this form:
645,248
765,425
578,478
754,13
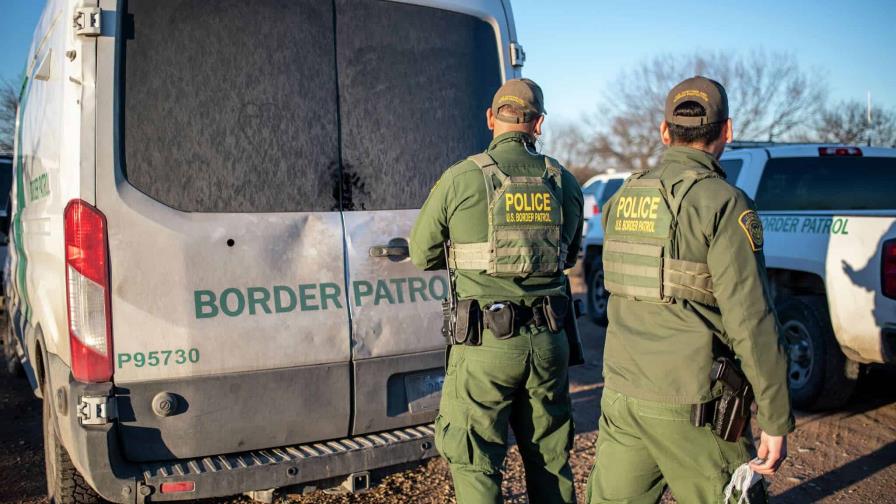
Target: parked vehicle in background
13,366
829,216
211,289
597,190
5,185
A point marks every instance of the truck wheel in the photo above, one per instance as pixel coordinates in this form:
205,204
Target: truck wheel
598,296
64,484
819,375
13,366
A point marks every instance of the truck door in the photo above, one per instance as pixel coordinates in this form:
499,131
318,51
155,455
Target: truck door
229,312
414,84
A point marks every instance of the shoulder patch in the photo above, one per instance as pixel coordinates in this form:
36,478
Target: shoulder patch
752,226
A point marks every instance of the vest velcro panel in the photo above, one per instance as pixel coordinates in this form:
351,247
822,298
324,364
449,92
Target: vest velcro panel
633,270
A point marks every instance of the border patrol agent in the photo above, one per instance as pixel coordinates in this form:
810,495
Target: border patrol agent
513,218
684,265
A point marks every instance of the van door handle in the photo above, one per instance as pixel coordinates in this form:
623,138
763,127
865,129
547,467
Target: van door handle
391,251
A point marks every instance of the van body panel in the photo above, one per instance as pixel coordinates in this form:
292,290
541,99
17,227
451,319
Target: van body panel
273,299
397,391
396,308
237,411
47,175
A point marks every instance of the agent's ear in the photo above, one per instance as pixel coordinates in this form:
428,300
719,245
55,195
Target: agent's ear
490,119
664,133
728,132
538,124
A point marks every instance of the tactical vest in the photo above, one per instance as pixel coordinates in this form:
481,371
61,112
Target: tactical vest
525,218
640,253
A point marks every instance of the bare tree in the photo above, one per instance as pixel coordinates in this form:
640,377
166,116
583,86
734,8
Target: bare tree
571,145
9,102
770,95
847,122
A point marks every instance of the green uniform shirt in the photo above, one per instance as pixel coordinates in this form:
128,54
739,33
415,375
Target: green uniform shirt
664,352
457,208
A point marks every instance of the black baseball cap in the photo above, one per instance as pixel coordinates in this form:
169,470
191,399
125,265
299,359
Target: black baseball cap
704,91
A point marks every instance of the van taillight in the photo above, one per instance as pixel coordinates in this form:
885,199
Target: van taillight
888,269
595,209
87,290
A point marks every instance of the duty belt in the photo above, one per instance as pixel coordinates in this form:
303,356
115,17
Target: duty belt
504,319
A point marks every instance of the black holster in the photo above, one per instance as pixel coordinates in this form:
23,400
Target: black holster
502,322
728,414
467,323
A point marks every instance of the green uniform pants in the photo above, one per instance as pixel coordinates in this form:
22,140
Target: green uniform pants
643,445
522,381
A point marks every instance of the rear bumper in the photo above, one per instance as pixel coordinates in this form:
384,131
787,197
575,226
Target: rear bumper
97,453
288,466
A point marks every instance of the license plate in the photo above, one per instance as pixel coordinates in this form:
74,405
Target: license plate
424,390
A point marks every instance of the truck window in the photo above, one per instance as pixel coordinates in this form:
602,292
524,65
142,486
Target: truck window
593,188
414,84
230,108
5,181
610,189
732,169
828,183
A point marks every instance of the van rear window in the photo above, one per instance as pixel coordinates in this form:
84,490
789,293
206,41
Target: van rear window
230,108
284,106
828,183
414,84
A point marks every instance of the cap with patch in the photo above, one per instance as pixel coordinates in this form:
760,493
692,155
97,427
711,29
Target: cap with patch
523,95
706,92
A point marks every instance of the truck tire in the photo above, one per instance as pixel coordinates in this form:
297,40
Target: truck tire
64,484
13,366
820,376
598,297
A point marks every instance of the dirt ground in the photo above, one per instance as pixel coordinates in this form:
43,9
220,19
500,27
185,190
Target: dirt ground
846,456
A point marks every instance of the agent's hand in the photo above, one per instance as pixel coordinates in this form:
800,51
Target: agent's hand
772,452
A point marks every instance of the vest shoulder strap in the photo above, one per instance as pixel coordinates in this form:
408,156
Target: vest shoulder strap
482,160
688,180
553,170
490,172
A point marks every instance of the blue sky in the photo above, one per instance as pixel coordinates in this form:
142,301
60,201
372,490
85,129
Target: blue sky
575,51
576,48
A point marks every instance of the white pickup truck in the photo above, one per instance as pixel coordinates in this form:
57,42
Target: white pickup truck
829,215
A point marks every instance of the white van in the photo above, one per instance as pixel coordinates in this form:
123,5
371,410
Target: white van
210,283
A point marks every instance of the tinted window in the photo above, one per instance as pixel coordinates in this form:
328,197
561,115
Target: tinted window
828,183
613,185
414,84
732,169
593,188
230,108
5,181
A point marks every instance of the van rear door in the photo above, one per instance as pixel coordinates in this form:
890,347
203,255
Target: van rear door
230,322
414,84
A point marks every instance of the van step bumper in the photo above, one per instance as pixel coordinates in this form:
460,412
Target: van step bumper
223,475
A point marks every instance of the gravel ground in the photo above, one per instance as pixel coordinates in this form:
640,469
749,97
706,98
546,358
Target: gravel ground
846,456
